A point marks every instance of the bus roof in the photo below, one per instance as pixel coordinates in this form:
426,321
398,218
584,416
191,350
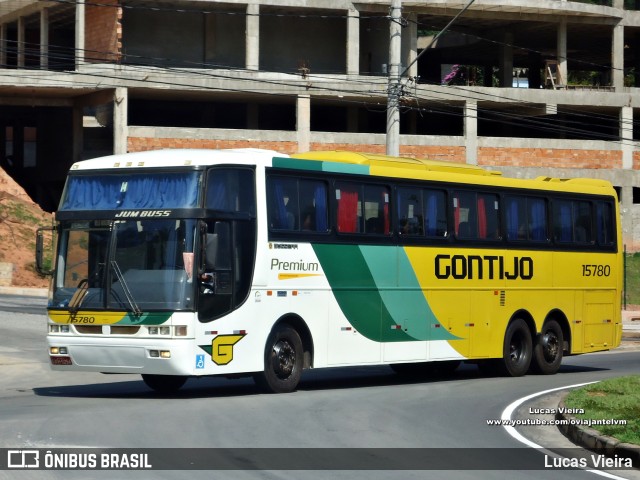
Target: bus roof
386,161
339,161
178,158
424,169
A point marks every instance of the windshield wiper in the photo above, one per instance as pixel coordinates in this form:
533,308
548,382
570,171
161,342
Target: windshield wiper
125,288
79,296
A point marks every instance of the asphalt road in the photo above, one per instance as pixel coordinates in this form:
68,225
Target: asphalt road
367,407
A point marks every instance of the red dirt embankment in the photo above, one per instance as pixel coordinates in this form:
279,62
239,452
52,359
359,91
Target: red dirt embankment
19,219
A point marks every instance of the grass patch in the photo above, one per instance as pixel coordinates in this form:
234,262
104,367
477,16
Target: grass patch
614,399
632,294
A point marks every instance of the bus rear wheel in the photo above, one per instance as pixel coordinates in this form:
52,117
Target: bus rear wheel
283,362
517,349
164,383
547,353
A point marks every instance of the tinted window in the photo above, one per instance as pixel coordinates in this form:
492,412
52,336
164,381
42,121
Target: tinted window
572,222
421,212
476,216
362,208
297,205
526,219
231,190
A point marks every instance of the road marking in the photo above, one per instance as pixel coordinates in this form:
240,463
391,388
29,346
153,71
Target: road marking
511,430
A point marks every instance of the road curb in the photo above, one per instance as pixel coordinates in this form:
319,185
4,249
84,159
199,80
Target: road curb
592,439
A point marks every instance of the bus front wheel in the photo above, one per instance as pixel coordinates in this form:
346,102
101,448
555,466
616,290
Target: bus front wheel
283,362
164,383
517,349
547,353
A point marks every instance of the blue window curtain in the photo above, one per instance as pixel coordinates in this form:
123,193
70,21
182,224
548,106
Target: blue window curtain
279,212
217,198
320,199
538,220
432,213
124,192
566,224
604,218
512,219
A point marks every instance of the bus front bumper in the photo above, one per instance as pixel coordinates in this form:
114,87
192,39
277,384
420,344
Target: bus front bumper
151,356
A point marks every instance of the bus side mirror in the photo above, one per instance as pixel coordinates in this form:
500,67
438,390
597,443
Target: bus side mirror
44,256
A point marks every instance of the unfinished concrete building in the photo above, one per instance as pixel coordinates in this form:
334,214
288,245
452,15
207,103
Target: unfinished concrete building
529,87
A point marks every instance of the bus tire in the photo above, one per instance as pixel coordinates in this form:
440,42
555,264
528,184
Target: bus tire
283,361
517,350
547,353
164,383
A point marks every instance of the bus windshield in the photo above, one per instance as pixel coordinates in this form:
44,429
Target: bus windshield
131,265
131,191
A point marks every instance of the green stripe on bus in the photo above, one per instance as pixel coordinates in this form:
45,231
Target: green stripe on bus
362,279
318,166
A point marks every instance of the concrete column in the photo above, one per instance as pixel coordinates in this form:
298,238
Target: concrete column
303,122
3,45
626,136
471,131
252,38
506,61
353,42
411,33
80,33
21,40
120,120
617,58
44,39
562,53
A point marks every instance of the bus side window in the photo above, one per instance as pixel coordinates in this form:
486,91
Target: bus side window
435,213
410,211
349,202
283,203
376,209
562,221
583,227
313,206
605,224
297,204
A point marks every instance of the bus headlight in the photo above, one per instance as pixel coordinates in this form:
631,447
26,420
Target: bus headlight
58,328
58,351
180,330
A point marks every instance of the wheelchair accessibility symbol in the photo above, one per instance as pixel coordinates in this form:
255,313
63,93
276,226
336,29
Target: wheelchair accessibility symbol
199,361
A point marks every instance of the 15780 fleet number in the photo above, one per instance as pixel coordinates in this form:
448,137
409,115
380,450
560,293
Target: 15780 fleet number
596,270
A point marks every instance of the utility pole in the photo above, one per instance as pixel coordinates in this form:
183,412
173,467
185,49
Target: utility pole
394,87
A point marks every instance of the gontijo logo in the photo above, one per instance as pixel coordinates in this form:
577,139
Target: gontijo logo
481,267
222,348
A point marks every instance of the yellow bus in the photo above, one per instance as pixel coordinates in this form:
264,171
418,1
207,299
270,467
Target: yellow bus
186,263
